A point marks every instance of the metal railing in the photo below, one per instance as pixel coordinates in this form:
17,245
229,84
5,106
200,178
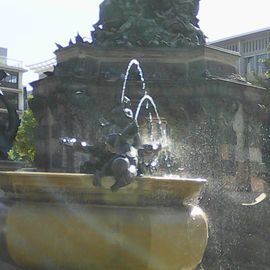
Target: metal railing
43,66
8,62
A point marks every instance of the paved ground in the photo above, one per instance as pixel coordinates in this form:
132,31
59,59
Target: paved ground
6,266
239,235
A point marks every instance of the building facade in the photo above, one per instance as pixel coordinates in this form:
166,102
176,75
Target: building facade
253,49
11,85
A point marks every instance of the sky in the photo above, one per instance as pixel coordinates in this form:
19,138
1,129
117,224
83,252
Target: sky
30,28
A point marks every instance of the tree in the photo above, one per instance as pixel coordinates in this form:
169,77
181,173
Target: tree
267,73
24,148
265,108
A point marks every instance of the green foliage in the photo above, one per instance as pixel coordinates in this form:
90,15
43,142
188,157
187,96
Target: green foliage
23,148
265,106
267,64
266,81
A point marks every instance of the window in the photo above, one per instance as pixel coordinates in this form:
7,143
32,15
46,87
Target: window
234,47
263,45
11,78
11,81
245,47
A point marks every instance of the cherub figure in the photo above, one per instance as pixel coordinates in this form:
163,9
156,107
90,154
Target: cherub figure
121,155
123,144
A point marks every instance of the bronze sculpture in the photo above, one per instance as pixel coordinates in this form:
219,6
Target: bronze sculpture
121,155
8,130
117,155
148,23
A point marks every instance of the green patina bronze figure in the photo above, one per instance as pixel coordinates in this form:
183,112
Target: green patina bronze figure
148,23
8,129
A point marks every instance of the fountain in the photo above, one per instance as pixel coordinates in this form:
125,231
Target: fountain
68,221
109,215
211,116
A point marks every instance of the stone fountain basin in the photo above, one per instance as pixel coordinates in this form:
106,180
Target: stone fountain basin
41,186
62,221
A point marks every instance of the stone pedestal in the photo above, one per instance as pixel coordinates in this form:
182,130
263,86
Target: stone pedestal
213,117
